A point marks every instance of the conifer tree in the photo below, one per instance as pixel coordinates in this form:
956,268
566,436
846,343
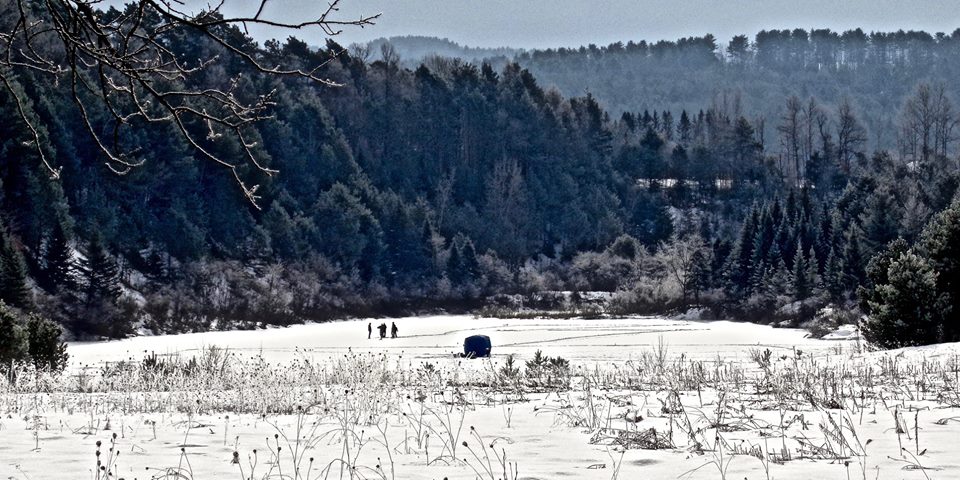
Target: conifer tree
739,271
776,282
806,205
666,125
784,239
903,305
758,263
13,339
832,279
776,212
102,278
824,237
791,208
455,265
13,273
700,276
57,272
684,129
462,267
801,281
427,247
44,344
880,221
469,257
940,244
813,269
718,261
853,262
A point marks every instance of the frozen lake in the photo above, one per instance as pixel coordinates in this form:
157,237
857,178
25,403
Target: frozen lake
438,337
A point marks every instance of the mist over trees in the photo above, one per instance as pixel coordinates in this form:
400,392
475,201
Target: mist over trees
444,185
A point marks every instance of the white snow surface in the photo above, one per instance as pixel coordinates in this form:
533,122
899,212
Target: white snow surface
176,434
438,337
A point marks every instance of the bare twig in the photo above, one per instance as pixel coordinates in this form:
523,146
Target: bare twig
123,72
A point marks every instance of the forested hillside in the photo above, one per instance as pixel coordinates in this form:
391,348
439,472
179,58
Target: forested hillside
874,71
440,186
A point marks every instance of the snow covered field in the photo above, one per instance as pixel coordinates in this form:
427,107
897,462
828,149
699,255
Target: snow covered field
640,398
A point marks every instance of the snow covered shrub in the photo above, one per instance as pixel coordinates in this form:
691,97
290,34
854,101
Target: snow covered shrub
34,339
539,275
495,274
175,309
13,338
649,293
509,372
548,371
44,344
601,272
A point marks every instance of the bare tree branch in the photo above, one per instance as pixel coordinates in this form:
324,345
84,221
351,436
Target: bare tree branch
123,64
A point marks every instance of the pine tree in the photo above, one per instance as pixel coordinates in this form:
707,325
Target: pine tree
700,276
758,264
427,248
666,125
13,274
878,270
801,281
880,221
102,278
455,265
739,271
469,257
462,266
832,279
806,205
13,339
853,261
813,269
718,261
791,209
784,239
685,129
776,212
824,237
156,264
903,305
57,272
940,244
44,344
776,283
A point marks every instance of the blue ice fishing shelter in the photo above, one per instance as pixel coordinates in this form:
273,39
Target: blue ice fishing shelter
476,346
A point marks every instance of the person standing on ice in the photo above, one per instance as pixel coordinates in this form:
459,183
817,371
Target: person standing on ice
369,330
383,330
393,329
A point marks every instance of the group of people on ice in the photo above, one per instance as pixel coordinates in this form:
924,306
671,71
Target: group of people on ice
383,330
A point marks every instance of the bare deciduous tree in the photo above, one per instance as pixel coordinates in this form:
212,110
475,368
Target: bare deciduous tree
790,130
927,124
851,136
680,258
124,63
809,119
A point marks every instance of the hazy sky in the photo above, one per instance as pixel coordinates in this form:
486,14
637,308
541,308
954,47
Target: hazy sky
551,23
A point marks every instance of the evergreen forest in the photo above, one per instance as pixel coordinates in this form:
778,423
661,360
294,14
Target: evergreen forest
783,178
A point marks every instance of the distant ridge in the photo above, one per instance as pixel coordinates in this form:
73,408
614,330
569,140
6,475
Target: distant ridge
412,49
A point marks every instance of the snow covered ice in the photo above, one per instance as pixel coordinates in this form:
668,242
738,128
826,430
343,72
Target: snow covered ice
641,398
